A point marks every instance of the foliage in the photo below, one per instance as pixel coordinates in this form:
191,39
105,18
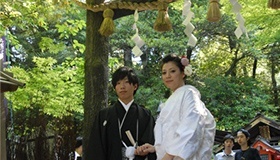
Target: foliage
52,100
49,87
151,85
260,20
42,29
234,102
156,42
217,53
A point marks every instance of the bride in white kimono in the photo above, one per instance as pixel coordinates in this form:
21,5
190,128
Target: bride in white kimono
185,129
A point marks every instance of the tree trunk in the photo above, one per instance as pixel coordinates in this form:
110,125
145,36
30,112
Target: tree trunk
96,73
127,57
232,70
144,60
274,84
255,67
189,53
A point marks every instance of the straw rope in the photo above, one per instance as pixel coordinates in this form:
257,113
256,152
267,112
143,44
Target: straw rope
107,27
119,5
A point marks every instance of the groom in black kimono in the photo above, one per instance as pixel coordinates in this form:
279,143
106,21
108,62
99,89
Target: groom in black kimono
118,129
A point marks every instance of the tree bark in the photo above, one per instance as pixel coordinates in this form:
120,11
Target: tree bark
96,73
255,67
274,84
127,57
232,70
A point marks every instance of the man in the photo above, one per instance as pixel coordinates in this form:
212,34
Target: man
227,153
77,154
246,152
118,129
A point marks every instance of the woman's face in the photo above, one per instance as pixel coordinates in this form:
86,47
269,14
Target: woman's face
172,77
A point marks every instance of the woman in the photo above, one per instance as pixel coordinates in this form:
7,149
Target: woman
185,129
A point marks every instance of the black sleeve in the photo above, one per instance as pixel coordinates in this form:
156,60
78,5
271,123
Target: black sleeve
148,135
257,155
150,132
237,156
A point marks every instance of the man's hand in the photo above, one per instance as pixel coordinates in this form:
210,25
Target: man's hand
144,149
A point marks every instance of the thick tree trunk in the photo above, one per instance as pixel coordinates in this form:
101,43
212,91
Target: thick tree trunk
96,73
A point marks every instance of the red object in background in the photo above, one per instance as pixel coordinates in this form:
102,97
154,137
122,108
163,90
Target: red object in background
267,152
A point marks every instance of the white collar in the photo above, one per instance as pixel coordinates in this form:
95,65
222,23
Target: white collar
77,155
126,106
231,154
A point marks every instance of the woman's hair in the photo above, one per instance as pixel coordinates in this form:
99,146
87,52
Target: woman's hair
123,72
173,58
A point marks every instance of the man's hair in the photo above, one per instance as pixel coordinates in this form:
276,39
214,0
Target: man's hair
79,142
245,132
123,72
228,136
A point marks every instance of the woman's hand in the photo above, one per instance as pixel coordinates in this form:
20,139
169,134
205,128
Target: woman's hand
144,149
167,157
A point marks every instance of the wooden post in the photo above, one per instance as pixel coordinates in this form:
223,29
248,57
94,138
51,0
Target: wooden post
3,151
7,83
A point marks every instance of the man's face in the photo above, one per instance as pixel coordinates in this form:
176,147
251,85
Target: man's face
228,144
241,138
80,150
125,90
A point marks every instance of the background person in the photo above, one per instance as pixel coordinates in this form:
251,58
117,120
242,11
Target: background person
77,154
227,154
246,152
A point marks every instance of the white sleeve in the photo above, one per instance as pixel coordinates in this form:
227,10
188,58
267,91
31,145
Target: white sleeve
189,133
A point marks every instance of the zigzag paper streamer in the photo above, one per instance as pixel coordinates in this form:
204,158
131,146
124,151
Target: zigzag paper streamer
136,38
241,29
187,22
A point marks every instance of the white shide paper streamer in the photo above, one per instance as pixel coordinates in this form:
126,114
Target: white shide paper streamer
236,7
136,38
187,22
